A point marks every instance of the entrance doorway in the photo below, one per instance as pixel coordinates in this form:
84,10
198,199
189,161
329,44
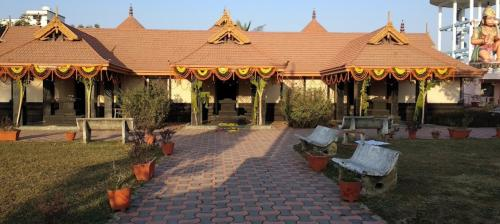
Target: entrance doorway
225,90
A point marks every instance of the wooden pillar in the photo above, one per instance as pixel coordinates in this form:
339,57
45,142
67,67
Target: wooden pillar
15,102
356,98
48,98
394,99
108,99
340,88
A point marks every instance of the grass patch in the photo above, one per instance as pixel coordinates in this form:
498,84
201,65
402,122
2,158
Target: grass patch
71,177
440,181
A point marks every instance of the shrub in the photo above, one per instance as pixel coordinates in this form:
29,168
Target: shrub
306,109
466,118
148,106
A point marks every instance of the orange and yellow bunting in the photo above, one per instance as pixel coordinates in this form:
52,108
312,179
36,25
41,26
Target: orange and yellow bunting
400,71
88,69
358,70
40,69
64,68
17,69
180,69
266,71
222,70
420,71
243,71
202,72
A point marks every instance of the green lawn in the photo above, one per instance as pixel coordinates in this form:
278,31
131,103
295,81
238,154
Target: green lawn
35,174
440,181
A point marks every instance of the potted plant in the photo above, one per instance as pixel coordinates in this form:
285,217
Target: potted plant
70,136
143,157
149,106
435,134
167,146
317,159
7,130
350,186
119,190
412,128
461,130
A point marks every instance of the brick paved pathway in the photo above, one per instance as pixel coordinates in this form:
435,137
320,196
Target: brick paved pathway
245,177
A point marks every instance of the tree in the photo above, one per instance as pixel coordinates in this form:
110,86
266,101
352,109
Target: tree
246,26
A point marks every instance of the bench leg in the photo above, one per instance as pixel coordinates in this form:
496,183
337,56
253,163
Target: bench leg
378,185
125,131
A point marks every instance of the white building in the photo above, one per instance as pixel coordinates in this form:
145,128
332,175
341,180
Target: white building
39,17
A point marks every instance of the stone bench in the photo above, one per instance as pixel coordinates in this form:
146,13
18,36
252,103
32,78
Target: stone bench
384,125
375,164
323,138
86,125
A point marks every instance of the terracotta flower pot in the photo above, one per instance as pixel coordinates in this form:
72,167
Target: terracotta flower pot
350,191
9,135
70,136
119,199
145,171
168,148
317,163
456,133
412,134
149,139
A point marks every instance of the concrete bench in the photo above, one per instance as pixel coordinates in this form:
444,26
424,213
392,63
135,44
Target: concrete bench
323,138
86,125
375,164
384,125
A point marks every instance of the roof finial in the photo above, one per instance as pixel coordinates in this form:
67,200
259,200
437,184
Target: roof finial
57,11
314,14
131,10
402,28
389,17
426,27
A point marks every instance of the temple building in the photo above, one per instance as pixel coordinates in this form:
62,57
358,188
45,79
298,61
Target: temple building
54,74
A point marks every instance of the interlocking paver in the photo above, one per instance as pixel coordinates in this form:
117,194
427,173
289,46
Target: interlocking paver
244,177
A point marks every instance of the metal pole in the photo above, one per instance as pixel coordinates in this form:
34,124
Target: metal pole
471,27
497,6
454,29
440,25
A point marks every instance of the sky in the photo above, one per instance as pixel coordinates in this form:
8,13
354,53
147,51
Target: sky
277,15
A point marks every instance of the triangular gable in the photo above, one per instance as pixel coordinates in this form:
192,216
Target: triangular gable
228,32
58,27
224,19
389,33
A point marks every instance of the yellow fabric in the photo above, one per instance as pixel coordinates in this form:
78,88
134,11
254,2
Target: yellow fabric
202,72
243,71
420,71
379,72
39,69
442,71
88,69
222,70
180,69
64,68
17,69
400,71
358,70
266,71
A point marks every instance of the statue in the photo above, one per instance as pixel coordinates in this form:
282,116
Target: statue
486,38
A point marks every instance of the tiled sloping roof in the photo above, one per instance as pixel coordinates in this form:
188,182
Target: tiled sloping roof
227,54
20,47
418,53
314,27
155,50
130,23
